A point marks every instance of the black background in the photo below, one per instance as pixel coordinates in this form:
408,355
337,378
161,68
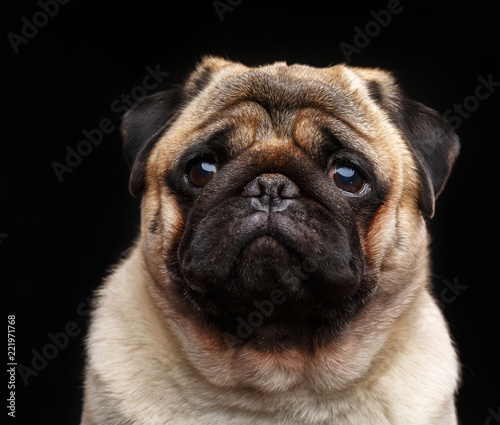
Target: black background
58,239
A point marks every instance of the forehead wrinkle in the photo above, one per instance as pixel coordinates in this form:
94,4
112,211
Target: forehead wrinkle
349,136
313,122
283,93
248,123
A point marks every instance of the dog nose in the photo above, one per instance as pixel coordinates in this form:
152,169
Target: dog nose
271,192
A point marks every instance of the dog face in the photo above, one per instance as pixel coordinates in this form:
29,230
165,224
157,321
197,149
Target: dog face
282,203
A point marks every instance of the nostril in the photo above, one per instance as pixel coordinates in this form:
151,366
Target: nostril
271,185
288,190
253,189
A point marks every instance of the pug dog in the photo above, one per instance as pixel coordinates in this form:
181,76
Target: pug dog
281,274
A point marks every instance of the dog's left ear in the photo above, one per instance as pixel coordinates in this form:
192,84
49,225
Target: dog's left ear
432,141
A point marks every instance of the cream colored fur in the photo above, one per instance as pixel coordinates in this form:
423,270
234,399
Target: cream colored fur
405,374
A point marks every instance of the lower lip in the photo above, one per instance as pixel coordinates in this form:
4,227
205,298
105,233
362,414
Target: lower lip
268,246
265,242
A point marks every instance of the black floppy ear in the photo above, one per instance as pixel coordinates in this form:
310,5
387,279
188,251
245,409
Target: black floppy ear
432,141
146,121
434,145
142,126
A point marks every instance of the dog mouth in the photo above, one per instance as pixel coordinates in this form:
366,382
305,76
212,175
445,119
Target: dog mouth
232,259
258,250
270,261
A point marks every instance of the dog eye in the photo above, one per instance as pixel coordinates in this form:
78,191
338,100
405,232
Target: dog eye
201,173
348,179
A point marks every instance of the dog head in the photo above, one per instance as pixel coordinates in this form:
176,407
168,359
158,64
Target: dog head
280,203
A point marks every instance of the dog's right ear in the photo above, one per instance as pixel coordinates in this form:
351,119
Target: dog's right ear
145,122
142,126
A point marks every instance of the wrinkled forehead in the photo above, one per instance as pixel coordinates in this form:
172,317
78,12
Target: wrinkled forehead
283,104
283,92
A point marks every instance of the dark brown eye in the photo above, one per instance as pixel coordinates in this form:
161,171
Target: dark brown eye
348,179
201,173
